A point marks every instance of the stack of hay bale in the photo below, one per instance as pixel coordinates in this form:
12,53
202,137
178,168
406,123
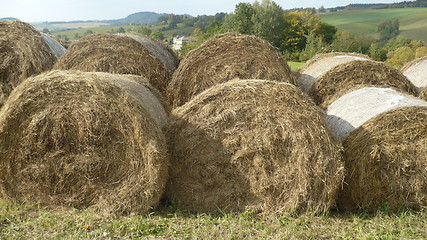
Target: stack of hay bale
243,137
373,110
83,139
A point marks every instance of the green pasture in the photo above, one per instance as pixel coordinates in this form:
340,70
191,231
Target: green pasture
413,21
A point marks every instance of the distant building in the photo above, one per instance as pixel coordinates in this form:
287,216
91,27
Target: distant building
178,41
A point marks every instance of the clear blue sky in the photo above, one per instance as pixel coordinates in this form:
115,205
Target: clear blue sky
67,10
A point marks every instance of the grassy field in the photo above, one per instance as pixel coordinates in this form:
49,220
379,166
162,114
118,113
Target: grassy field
413,21
20,222
168,34
295,66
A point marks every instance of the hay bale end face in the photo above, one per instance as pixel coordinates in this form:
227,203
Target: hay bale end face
385,160
23,53
320,64
115,54
252,144
223,58
416,72
80,139
56,47
353,109
351,75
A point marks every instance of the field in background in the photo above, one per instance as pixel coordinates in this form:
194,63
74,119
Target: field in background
168,223
81,25
168,34
413,21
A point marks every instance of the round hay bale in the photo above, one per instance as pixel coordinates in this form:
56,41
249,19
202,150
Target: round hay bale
385,160
252,144
81,139
353,109
56,47
344,77
416,72
159,49
115,54
23,53
223,58
321,63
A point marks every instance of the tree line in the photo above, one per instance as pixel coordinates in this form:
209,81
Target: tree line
300,34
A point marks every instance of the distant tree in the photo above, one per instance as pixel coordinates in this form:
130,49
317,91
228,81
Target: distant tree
345,42
388,29
314,46
268,22
213,28
400,57
121,30
162,20
377,53
88,32
157,35
321,9
144,31
395,43
46,31
241,20
77,36
421,52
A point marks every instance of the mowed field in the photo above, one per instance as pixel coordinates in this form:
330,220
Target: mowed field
413,21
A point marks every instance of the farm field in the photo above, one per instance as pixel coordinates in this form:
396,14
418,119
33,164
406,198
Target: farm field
169,223
168,34
413,22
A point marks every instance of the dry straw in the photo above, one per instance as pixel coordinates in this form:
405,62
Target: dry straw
356,74
252,144
23,53
81,139
384,138
223,58
320,64
385,161
416,72
115,54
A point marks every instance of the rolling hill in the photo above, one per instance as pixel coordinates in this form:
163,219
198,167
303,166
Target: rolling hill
413,21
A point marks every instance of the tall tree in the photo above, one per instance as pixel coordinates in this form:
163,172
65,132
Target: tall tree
241,20
388,29
268,21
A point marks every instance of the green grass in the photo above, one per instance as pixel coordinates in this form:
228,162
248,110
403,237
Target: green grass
20,222
295,66
413,22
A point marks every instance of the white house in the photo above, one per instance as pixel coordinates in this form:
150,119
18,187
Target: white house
178,41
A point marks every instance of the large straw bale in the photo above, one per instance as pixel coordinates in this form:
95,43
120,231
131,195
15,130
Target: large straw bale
384,138
416,72
385,160
353,109
252,144
321,63
81,139
223,58
115,54
159,49
348,76
23,53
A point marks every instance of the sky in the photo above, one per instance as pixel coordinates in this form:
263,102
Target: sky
69,10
